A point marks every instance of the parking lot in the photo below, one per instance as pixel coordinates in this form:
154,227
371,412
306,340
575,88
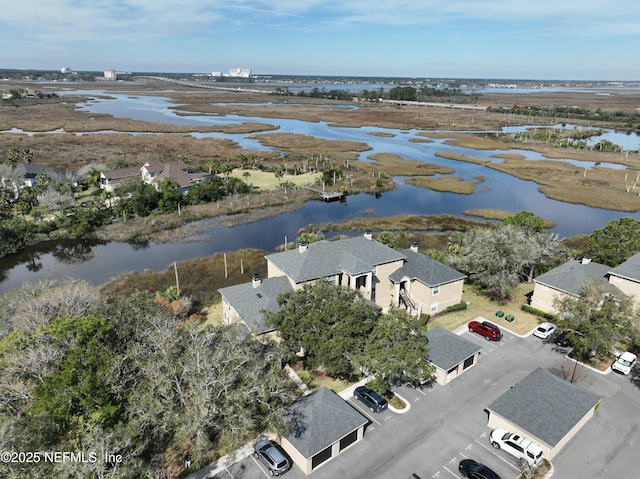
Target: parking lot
446,424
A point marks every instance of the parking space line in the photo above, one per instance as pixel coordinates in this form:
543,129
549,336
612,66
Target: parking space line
437,474
259,466
229,472
450,472
492,451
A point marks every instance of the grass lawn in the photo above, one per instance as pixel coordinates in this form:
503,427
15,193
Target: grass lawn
266,180
480,305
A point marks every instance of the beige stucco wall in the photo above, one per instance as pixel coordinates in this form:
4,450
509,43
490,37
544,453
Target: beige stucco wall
628,287
443,377
298,459
543,298
385,289
449,294
305,464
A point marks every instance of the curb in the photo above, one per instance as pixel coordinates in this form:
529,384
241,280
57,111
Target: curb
400,411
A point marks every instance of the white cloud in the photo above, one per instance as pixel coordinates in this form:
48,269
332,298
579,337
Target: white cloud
88,20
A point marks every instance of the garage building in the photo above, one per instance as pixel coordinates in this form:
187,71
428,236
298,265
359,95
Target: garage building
322,426
545,409
450,354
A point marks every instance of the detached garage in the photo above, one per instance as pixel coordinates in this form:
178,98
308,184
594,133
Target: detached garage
545,409
322,426
450,354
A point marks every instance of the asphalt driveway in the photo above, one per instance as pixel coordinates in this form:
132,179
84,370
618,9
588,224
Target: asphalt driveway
446,424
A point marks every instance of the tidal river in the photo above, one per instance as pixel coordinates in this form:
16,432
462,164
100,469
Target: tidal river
99,262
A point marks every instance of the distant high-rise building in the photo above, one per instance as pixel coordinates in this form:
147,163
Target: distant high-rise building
240,72
110,74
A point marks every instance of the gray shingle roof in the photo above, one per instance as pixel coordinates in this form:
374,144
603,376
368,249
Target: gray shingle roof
426,270
571,276
545,405
249,302
447,349
326,258
319,420
630,269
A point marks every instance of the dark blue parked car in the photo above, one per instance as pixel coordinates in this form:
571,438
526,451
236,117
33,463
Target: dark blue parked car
371,399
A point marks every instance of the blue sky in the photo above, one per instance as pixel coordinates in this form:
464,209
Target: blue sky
517,39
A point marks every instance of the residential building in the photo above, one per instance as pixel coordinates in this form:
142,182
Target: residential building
153,173
386,277
569,279
626,277
247,302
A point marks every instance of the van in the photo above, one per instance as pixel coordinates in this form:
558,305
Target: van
516,445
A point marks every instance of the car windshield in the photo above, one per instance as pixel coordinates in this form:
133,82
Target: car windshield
624,362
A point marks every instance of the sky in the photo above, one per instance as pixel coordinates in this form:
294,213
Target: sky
500,39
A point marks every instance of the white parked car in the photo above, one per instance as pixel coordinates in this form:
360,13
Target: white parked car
624,363
544,330
516,445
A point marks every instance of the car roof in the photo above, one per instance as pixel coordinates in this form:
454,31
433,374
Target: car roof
627,356
546,325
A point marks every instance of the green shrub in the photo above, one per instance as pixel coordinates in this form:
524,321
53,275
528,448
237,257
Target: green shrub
461,306
537,312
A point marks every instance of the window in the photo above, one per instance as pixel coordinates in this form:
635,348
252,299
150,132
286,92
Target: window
436,290
433,308
361,282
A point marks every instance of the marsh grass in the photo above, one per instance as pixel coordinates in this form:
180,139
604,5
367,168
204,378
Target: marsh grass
492,214
199,278
397,166
460,157
449,184
399,223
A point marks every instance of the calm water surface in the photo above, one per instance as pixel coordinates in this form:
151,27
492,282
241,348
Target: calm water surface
99,262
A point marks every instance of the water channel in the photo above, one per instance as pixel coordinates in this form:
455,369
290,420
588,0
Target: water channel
99,262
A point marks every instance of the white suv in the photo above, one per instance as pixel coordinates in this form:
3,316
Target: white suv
518,446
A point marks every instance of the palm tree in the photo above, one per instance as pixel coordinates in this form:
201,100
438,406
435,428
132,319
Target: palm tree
93,177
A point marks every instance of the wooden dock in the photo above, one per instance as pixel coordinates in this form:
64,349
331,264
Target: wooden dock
327,195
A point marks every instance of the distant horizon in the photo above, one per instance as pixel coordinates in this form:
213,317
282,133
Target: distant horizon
322,75
569,40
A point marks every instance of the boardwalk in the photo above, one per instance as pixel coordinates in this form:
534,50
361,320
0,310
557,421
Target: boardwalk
326,195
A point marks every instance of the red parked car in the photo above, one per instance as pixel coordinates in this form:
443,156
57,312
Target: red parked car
490,331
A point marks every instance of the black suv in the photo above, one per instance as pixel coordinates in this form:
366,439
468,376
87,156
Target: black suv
372,399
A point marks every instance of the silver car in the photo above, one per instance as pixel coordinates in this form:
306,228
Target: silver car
273,457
